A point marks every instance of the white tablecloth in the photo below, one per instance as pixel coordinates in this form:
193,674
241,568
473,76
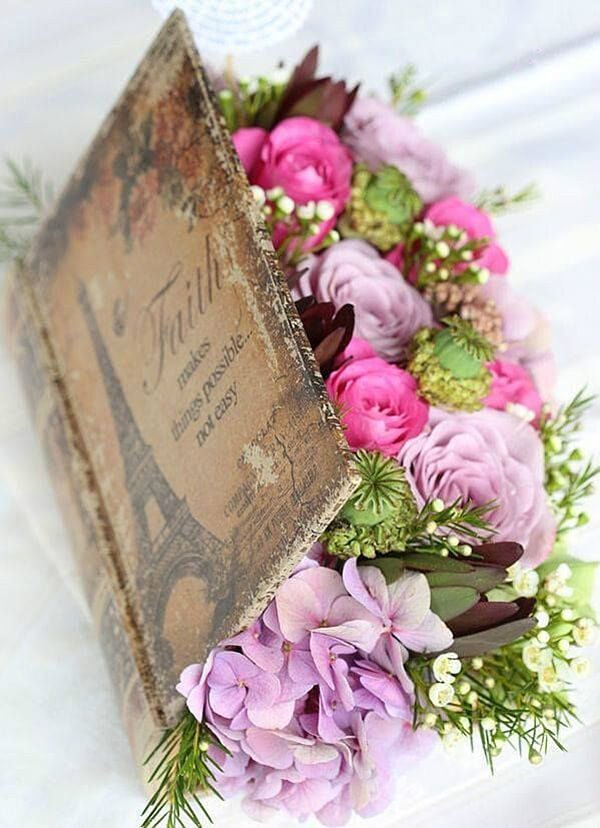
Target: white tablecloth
64,760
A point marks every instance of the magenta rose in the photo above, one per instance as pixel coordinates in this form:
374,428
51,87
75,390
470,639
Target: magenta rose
303,156
377,135
248,142
513,390
379,402
476,224
483,457
388,310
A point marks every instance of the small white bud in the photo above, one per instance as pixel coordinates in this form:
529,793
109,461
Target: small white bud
463,688
483,275
286,205
490,683
477,663
564,645
306,211
431,527
430,267
334,236
274,193
535,758
466,550
442,249
258,194
543,619
453,541
437,505
325,210
488,724
467,255
430,719
543,637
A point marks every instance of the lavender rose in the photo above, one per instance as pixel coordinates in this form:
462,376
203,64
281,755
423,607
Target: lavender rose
482,457
388,310
377,135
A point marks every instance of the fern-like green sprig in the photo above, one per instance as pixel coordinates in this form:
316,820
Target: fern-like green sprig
498,201
24,197
406,95
183,771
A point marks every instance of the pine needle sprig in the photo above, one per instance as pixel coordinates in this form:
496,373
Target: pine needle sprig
569,476
182,772
439,527
406,95
499,201
24,198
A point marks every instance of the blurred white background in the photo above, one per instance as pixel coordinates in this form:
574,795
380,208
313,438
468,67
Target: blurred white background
515,95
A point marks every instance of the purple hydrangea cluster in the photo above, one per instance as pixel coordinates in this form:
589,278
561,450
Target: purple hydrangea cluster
312,701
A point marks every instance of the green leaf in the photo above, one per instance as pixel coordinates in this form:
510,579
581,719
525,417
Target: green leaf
481,578
483,642
430,562
391,568
448,602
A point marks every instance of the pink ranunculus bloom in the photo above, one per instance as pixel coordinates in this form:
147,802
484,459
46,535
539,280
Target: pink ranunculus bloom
396,256
307,159
484,457
513,390
378,135
526,335
404,609
248,142
388,311
379,402
477,225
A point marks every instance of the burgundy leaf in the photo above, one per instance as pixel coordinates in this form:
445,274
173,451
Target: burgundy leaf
483,616
503,554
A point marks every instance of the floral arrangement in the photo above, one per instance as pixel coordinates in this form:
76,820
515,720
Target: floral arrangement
441,603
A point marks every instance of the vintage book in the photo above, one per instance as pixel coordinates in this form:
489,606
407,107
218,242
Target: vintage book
194,451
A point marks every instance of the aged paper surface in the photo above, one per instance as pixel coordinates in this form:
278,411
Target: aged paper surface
194,412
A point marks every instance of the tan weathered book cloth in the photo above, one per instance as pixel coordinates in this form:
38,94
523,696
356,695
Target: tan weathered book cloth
195,454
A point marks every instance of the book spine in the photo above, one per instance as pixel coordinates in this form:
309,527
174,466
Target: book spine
75,497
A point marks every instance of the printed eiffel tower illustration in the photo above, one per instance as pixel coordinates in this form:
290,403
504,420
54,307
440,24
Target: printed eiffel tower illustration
180,546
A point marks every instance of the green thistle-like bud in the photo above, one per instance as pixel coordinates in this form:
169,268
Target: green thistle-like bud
449,365
382,207
379,517
381,488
